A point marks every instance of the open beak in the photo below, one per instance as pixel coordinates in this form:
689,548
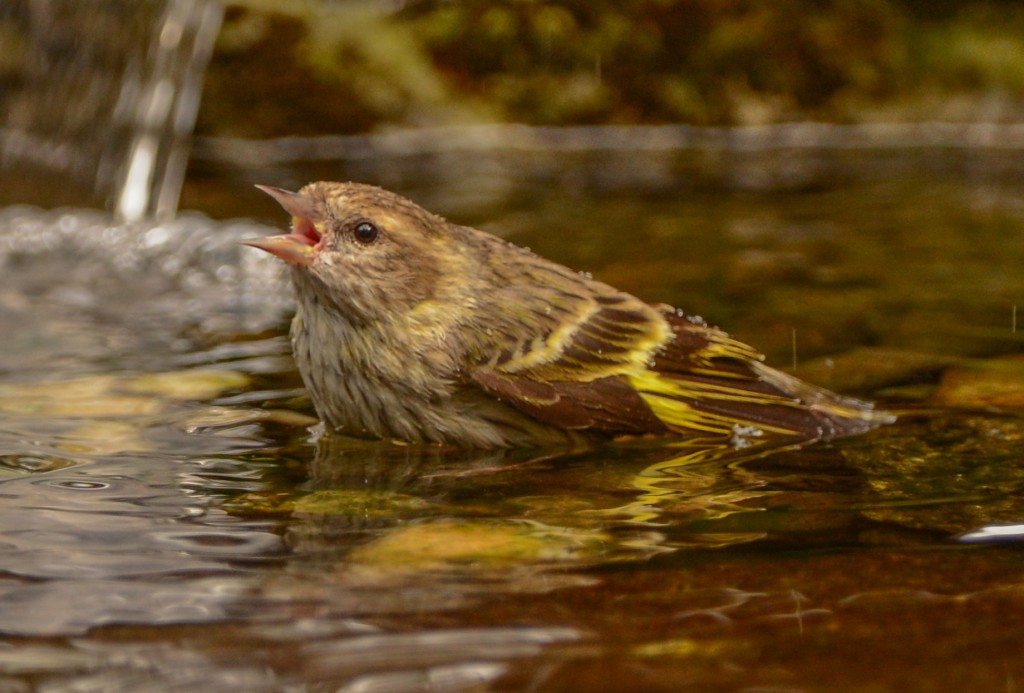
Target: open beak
300,246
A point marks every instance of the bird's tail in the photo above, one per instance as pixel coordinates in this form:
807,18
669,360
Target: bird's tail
754,401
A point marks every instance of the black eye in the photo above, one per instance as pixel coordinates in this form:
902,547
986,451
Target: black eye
365,232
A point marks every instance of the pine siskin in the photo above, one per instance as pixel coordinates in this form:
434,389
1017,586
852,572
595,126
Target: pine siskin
413,328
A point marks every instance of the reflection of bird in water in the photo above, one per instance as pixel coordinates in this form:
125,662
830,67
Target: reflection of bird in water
699,482
409,327
359,490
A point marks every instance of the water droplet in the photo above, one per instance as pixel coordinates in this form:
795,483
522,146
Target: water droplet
741,436
157,235
76,484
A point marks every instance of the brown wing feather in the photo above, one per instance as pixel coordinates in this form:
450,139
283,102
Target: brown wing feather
614,364
706,380
609,405
575,376
619,371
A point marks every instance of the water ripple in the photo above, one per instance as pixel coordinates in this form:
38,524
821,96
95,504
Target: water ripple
104,544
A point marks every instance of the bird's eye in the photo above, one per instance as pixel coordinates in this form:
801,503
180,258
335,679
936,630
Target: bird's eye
365,232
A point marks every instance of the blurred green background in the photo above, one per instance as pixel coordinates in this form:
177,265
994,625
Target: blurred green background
80,82
316,67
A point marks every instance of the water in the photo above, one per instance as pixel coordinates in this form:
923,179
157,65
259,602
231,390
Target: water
100,99
171,522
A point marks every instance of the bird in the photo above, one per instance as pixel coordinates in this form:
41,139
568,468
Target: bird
412,328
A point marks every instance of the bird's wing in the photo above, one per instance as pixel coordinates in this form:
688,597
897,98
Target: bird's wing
621,366
703,380
575,377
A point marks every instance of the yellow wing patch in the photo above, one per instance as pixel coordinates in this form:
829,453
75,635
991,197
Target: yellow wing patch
683,404
607,337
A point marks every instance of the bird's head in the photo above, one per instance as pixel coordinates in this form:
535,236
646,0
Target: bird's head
361,250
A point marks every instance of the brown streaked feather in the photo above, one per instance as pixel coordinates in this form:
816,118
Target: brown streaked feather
695,344
608,405
575,376
697,380
705,380
601,342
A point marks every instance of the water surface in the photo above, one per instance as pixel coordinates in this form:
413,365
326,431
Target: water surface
170,520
